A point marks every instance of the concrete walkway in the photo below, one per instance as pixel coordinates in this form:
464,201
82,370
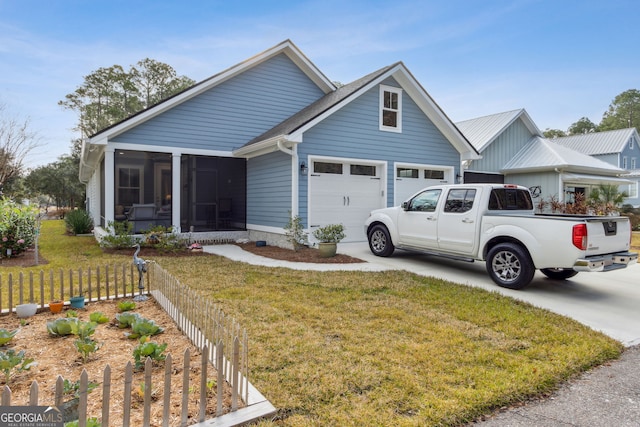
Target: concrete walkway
608,302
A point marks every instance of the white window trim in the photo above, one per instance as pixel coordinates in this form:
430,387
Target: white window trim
624,162
633,163
117,179
397,91
633,190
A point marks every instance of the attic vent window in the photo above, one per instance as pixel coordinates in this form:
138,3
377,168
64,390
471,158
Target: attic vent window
390,109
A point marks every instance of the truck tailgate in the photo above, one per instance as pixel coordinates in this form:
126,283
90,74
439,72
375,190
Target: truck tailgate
607,234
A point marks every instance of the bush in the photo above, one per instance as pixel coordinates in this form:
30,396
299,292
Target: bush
17,227
78,222
162,239
120,236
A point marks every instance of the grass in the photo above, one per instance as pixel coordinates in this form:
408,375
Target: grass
391,348
635,241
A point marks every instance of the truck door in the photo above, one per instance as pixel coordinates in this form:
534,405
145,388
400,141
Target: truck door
417,224
458,222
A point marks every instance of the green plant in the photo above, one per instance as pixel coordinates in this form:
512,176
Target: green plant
17,227
12,362
295,232
125,320
162,239
78,222
63,326
120,235
91,422
6,336
126,305
144,328
98,317
72,388
86,346
71,313
331,233
85,329
148,349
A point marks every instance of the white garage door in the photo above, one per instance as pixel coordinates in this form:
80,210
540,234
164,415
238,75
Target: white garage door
344,192
412,178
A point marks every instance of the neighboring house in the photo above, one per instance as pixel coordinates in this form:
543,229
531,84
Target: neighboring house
514,151
620,148
238,153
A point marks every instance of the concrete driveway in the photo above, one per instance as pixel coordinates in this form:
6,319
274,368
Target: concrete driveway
606,302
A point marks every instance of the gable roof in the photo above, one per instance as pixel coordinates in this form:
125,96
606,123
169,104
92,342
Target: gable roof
482,131
608,142
292,129
93,146
540,154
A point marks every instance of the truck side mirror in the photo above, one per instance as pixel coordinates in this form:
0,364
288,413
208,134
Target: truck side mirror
405,205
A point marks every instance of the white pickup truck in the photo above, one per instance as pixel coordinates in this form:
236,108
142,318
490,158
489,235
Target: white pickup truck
496,223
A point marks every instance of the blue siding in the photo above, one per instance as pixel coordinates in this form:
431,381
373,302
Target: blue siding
232,113
353,132
504,148
269,189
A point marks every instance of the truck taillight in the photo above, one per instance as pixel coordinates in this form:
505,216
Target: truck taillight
580,236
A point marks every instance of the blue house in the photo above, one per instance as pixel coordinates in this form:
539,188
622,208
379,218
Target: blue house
238,153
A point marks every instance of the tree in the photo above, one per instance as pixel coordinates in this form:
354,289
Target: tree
16,141
58,180
584,125
624,111
606,199
553,133
109,95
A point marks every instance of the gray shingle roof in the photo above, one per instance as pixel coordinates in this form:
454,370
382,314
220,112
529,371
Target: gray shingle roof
596,143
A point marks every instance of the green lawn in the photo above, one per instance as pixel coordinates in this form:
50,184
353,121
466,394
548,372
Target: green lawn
391,348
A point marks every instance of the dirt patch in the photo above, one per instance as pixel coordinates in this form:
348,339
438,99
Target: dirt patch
58,356
302,255
25,259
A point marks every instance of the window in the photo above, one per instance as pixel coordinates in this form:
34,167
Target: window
633,190
407,173
128,184
460,200
363,170
507,198
425,201
633,163
324,167
390,109
631,144
432,174
624,162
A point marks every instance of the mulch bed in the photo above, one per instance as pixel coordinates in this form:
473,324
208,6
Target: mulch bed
304,254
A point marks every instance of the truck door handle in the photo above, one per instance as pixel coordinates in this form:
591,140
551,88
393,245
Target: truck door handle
467,220
431,218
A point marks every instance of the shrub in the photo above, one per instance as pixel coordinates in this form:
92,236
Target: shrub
78,222
162,239
17,227
120,235
295,232
331,233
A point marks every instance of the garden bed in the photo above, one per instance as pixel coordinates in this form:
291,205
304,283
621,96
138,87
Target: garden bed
58,356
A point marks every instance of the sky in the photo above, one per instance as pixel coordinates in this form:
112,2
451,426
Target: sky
561,60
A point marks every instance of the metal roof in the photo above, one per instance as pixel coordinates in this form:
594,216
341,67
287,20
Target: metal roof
482,131
541,154
608,142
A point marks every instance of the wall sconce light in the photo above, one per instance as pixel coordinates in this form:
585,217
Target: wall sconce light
303,168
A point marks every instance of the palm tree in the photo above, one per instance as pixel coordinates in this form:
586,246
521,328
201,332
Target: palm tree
606,199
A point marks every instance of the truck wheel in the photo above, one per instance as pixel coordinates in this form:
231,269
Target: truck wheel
558,273
380,241
510,266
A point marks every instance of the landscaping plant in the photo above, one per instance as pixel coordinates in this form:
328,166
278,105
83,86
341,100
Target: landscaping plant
98,317
144,328
120,235
125,320
12,362
6,335
148,349
86,346
17,227
294,230
63,326
78,222
126,305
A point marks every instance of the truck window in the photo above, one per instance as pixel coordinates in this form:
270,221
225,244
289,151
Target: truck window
425,201
510,199
460,200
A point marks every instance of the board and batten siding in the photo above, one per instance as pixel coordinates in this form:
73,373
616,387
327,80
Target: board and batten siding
232,113
354,133
549,183
269,190
503,149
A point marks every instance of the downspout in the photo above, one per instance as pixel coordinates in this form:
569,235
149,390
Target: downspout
293,152
560,185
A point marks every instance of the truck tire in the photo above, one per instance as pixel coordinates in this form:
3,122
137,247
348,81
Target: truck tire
509,265
558,273
380,241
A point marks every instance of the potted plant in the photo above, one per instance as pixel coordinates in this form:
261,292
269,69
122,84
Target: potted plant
56,306
329,236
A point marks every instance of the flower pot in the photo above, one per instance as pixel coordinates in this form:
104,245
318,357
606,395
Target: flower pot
77,302
327,250
26,310
56,306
